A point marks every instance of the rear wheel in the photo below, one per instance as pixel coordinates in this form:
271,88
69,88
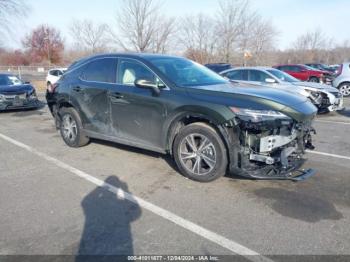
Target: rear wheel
345,89
71,128
314,79
200,153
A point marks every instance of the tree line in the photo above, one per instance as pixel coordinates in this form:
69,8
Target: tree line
234,33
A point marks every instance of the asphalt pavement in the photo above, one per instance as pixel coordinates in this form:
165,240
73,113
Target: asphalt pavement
111,199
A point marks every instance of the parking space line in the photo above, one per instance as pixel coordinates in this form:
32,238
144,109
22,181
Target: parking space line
327,154
332,122
182,222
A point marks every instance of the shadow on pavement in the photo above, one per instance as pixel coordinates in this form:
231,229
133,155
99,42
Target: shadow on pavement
108,218
297,205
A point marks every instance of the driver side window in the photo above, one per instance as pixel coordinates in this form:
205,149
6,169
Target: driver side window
130,70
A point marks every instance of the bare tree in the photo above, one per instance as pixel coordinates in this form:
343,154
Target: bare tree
198,37
263,40
141,28
89,36
310,46
230,20
10,10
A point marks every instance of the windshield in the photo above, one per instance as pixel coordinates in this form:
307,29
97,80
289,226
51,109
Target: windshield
6,80
283,76
186,73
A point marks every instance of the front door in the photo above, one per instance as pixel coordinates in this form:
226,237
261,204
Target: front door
137,114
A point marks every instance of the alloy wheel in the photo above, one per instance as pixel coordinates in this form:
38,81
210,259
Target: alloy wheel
70,130
345,90
198,154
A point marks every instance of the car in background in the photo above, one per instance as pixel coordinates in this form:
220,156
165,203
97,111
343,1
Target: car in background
324,97
342,80
306,73
322,67
175,106
219,67
53,75
14,94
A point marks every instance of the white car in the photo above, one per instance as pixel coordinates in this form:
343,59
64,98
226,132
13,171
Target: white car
53,75
324,97
342,81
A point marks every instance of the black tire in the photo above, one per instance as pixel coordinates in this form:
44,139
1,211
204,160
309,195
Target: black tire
217,150
314,79
79,139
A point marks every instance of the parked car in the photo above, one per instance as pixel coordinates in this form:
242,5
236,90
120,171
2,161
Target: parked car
324,97
174,106
53,76
342,81
305,73
219,67
322,67
14,94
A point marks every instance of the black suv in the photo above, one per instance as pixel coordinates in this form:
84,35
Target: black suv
172,105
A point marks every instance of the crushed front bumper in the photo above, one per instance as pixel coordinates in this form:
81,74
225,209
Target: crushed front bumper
272,154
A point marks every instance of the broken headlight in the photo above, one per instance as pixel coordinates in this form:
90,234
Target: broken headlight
258,115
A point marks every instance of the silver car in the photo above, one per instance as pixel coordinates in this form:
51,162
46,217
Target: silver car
342,81
324,97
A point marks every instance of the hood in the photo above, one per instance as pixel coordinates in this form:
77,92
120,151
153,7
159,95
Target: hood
257,98
321,87
16,89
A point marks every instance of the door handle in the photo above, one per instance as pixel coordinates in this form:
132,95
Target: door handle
116,95
77,89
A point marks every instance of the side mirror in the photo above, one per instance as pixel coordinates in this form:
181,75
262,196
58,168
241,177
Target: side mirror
270,81
148,84
27,82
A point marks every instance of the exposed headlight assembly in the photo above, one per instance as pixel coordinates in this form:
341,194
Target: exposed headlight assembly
258,115
2,98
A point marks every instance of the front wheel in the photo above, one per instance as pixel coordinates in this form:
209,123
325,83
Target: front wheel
71,128
200,153
345,89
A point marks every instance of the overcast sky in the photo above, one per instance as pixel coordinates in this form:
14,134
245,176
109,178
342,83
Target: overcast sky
291,17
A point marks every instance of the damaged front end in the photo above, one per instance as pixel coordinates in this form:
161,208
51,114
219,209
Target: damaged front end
269,145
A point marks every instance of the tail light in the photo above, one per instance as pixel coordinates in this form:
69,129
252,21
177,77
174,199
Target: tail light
339,71
52,88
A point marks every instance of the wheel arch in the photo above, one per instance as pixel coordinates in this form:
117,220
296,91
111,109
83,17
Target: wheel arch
185,118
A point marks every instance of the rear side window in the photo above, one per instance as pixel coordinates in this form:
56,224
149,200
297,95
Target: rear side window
239,75
101,70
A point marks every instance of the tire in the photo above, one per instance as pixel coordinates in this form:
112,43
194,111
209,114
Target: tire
71,128
344,88
314,79
206,165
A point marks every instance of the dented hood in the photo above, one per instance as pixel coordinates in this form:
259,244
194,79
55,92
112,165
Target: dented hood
257,98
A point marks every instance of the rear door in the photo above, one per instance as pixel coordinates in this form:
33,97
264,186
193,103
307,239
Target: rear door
300,73
90,94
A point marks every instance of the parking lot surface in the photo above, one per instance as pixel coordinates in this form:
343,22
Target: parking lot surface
50,201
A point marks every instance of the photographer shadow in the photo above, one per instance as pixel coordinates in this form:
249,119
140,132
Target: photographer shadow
108,218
